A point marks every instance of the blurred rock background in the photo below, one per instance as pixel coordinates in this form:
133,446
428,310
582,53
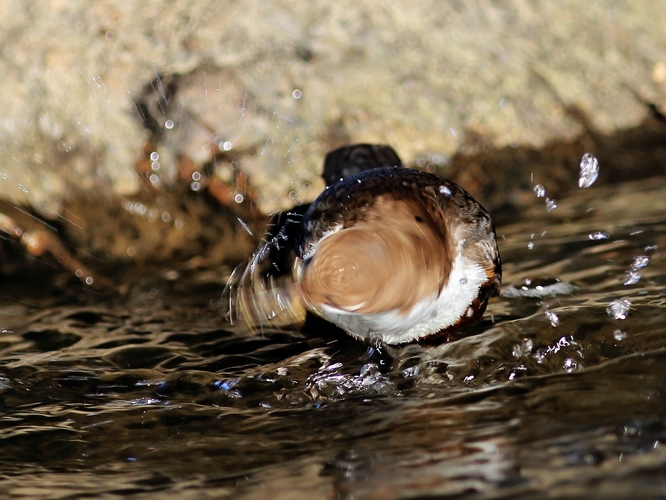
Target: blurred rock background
89,89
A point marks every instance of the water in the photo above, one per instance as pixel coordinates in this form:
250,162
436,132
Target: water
153,394
589,170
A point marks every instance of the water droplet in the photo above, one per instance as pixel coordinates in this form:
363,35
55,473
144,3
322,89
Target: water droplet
452,131
619,335
570,365
530,245
619,309
155,166
227,146
166,217
78,273
169,124
525,347
551,204
154,156
108,35
297,94
195,186
154,180
445,190
540,191
89,281
196,176
238,198
131,251
640,262
589,170
598,235
632,277
553,318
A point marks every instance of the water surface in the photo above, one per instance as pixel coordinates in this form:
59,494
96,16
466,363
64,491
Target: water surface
555,393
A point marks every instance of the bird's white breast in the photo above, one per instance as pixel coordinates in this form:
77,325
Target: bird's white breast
426,317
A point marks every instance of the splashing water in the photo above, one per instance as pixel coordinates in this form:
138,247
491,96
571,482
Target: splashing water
551,204
589,170
598,236
99,396
634,274
553,318
619,309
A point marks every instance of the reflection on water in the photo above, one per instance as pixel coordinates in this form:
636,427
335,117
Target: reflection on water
556,392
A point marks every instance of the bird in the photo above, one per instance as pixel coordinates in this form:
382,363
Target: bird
386,253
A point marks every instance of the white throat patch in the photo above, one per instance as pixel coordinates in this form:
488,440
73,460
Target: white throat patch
429,316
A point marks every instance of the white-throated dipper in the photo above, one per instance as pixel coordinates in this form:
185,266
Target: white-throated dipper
388,253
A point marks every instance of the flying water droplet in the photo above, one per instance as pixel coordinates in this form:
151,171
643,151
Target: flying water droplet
540,191
632,277
551,204
619,309
553,318
589,170
598,235
445,190
570,365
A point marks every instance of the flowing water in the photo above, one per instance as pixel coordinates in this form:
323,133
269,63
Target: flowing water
557,392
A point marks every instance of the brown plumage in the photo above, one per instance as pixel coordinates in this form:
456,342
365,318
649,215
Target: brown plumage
389,253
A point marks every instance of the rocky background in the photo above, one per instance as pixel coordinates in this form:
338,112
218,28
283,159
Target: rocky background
105,100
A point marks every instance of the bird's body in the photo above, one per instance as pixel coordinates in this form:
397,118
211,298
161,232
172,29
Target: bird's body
390,254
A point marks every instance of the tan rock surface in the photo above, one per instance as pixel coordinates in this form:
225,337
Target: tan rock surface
420,75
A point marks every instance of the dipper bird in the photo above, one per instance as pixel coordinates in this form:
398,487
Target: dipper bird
388,253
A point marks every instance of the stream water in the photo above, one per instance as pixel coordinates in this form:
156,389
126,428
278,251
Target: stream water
557,392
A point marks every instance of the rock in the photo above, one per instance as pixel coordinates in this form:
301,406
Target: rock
279,84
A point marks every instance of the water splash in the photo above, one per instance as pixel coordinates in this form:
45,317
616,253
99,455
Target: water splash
551,204
553,318
598,235
634,274
619,309
589,170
